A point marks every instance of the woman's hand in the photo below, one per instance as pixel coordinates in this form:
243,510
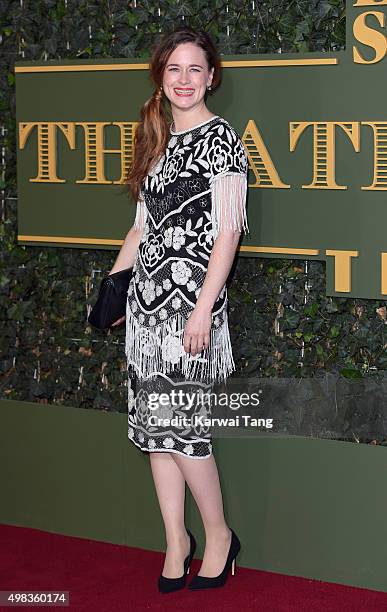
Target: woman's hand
197,330
119,321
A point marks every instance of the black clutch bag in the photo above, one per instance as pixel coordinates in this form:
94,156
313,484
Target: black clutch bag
111,302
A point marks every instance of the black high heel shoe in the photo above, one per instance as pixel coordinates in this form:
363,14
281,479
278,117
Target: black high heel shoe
204,582
167,585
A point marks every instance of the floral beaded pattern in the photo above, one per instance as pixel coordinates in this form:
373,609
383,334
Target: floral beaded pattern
217,149
190,440
196,189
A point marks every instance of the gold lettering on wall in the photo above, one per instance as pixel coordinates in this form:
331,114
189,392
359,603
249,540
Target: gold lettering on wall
47,146
259,158
95,151
324,136
369,37
379,129
127,132
343,274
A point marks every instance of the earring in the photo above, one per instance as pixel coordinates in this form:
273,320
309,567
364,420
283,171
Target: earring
159,93
209,88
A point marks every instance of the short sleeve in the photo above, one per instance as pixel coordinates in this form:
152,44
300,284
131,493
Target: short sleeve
228,181
141,213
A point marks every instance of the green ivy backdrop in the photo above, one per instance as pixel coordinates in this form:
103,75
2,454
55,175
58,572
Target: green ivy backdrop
282,324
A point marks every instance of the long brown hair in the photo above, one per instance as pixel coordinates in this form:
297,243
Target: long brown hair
152,133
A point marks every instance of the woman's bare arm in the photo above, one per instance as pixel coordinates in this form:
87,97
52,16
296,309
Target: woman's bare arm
127,254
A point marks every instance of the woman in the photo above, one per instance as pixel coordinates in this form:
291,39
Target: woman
189,179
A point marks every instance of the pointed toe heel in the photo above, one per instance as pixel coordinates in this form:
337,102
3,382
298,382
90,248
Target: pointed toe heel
168,585
205,582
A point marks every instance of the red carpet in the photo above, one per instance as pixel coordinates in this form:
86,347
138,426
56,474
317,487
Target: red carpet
109,578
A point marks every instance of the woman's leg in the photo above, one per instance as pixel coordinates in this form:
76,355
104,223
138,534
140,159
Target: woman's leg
170,489
202,478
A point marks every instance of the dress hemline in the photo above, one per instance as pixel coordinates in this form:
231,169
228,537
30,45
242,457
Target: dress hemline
168,450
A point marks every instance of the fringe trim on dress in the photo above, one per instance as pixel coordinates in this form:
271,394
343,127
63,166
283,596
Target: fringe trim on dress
228,193
141,215
159,349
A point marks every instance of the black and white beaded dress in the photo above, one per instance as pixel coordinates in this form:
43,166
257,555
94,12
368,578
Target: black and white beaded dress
197,188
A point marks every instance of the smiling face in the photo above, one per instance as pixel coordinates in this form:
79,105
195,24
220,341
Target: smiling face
186,77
